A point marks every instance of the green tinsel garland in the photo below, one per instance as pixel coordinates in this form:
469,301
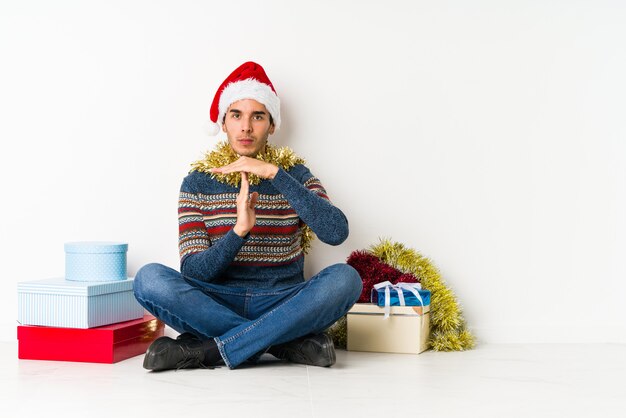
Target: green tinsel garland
448,328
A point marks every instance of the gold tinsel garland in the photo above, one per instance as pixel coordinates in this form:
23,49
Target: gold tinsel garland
448,328
282,157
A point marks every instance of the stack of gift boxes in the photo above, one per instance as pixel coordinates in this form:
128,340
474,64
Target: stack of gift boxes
90,315
396,321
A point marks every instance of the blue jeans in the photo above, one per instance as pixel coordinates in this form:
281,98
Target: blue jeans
244,322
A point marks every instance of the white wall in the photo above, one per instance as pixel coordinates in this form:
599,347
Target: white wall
488,135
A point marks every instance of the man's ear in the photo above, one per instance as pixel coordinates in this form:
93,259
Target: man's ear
223,127
272,128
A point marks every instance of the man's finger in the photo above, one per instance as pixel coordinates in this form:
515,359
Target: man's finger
247,164
254,197
225,169
245,185
237,165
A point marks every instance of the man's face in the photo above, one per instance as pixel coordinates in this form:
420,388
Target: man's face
247,126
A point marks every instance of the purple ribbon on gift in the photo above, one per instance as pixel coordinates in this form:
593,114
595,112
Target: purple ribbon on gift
399,288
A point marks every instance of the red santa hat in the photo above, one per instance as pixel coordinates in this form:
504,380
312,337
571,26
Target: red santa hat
248,81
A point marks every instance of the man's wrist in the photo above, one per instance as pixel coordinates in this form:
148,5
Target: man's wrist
241,232
273,172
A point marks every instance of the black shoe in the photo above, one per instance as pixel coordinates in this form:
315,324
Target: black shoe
212,356
314,350
187,336
166,354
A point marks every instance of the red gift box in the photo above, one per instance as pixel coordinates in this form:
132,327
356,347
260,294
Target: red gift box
105,344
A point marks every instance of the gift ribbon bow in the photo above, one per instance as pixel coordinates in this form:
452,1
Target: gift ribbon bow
399,288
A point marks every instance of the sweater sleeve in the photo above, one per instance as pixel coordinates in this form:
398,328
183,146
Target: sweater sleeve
310,201
210,264
201,258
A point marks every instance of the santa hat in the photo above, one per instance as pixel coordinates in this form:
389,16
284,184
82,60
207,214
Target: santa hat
249,81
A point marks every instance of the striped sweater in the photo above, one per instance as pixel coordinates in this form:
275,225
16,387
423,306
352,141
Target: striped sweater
271,255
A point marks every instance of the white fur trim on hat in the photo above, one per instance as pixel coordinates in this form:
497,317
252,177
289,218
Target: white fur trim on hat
250,89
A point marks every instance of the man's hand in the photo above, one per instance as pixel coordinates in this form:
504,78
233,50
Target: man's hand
246,216
248,165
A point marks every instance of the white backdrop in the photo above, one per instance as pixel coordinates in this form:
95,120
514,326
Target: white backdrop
487,135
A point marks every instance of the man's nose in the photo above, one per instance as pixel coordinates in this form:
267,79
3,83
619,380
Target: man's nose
246,126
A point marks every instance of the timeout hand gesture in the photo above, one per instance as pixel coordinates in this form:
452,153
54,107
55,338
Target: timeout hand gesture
246,216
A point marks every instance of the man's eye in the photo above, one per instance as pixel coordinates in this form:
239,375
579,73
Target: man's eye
235,115
258,117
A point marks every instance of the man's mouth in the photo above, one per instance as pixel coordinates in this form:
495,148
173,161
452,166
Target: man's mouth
246,140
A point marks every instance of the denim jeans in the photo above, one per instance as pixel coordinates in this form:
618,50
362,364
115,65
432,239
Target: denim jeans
245,322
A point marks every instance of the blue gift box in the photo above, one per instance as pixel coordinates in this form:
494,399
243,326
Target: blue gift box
57,302
95,261
378,297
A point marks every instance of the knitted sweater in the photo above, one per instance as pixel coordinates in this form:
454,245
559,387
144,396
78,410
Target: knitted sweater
271,254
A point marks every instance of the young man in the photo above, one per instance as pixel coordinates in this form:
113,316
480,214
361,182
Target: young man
246,213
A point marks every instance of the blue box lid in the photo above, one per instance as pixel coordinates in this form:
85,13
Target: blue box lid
60,286
96,247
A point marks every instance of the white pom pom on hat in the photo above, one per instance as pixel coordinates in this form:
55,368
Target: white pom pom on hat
248,81
211,128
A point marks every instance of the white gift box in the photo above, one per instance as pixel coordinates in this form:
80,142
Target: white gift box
63,303
95,261
406,330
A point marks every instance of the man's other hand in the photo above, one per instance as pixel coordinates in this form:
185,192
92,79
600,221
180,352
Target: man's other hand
246,216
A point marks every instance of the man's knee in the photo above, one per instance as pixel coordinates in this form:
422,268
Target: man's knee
347,280
147,281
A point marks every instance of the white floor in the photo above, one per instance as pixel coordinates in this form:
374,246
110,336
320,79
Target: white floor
489,381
